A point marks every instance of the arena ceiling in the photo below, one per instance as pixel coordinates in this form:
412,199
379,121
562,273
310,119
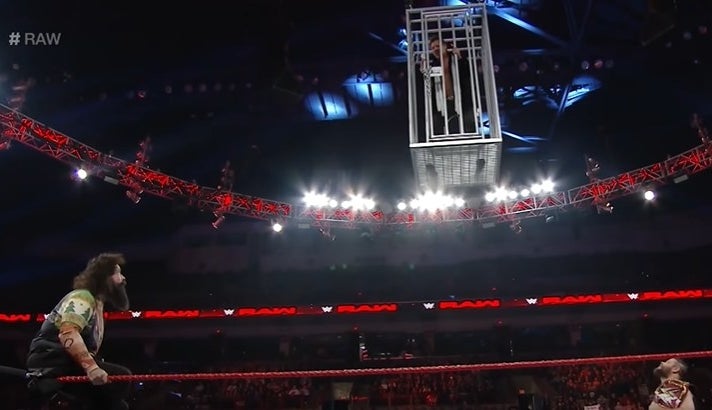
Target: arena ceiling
211,82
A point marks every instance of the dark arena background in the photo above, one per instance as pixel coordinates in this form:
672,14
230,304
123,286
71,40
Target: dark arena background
313,219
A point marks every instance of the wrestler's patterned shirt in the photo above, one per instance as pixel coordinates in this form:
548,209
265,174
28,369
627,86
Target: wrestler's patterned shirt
80,308
673,394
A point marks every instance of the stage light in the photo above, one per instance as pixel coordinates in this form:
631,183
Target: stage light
358,203
547,186
516,227
649,195
134,193
133,196
401,206
428,202
81,174
607,208
312,199
219,221
432,201
500,193
277,227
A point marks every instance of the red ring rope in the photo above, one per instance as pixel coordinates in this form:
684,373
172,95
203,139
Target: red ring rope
395,370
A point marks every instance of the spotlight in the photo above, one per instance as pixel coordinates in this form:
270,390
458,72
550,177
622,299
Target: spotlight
357,203
133,196
547,186
277,227
227,177
649,195
516,227
593,167
134,192
326,233
219,221
500,193
607,208
81,174
316,200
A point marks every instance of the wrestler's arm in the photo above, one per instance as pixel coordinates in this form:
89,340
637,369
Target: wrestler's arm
75,313
73,343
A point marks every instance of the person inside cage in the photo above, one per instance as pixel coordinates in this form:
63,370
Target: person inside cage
442,52
446,80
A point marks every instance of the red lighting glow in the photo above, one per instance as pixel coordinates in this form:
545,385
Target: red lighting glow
391,307
16,127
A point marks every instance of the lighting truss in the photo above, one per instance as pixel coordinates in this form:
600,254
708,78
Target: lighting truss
22,129
33,134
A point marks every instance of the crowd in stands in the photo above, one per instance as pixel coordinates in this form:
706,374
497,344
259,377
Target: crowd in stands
615,387
433,389
611,386
255,394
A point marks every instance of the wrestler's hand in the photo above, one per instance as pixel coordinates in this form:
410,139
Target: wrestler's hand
97,376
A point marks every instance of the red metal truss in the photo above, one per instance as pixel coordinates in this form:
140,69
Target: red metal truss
688,163
443,215
341,215
523,208
142,180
